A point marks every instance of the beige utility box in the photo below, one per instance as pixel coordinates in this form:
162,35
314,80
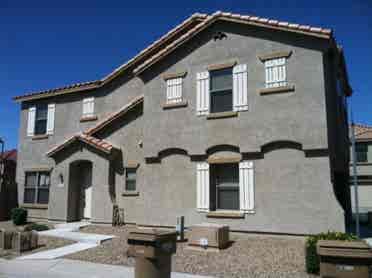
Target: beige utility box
344,259
209,235
153,251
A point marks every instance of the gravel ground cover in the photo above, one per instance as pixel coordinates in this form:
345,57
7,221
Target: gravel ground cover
248,256
45,242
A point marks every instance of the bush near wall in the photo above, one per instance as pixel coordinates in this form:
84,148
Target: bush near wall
19,216
312,258
36,227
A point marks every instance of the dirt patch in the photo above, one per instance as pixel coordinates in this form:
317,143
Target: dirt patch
248,256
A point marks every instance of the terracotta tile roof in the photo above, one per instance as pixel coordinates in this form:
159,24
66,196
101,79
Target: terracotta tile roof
98,83
9,155
152,53
98,144
113,116
251,20
363,132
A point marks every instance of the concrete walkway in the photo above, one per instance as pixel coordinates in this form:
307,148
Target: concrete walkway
63,268
68,231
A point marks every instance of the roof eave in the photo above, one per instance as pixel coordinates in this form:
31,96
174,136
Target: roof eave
214,18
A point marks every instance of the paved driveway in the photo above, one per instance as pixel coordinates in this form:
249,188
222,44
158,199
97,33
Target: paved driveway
63,268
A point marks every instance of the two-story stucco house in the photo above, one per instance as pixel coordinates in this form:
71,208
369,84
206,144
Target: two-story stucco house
363,160
229,119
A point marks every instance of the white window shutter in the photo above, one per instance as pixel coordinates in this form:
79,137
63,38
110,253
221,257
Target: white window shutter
88,107
202,93
240,87
174,90
246,186
202,183
31,121
275,73
50,118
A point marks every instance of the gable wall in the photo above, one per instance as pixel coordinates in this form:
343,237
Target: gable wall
298,116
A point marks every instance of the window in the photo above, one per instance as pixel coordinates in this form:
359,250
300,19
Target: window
88,107
130,179
41,119
37,188
221,90
361,150
174,90
275,72
228,186
225,186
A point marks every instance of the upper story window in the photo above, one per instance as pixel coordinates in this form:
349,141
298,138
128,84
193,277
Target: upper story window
40,119
37,188
221,90
174,90
275,73
361,150
88,107
130,179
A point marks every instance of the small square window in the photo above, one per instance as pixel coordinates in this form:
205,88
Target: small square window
174,90
130,179
221,87
88,107
275,73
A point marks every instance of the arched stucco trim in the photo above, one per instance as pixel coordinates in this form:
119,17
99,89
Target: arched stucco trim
222,148
171,151
281,144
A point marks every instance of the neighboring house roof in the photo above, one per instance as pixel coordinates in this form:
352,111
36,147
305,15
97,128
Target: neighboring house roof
112,117
98,144
10,155
363,132
174,38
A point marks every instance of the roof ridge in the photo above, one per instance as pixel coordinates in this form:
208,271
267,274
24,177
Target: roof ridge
255,20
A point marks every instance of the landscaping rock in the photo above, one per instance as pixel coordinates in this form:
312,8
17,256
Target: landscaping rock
5,239
24,241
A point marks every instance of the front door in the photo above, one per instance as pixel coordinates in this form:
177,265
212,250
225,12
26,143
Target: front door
86,193
88,202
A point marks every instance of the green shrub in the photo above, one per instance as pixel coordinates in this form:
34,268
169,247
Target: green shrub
36,227
312,259
19,216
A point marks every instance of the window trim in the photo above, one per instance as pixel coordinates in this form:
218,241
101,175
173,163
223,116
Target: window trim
37,187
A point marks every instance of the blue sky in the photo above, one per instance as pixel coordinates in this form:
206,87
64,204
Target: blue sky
46,44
